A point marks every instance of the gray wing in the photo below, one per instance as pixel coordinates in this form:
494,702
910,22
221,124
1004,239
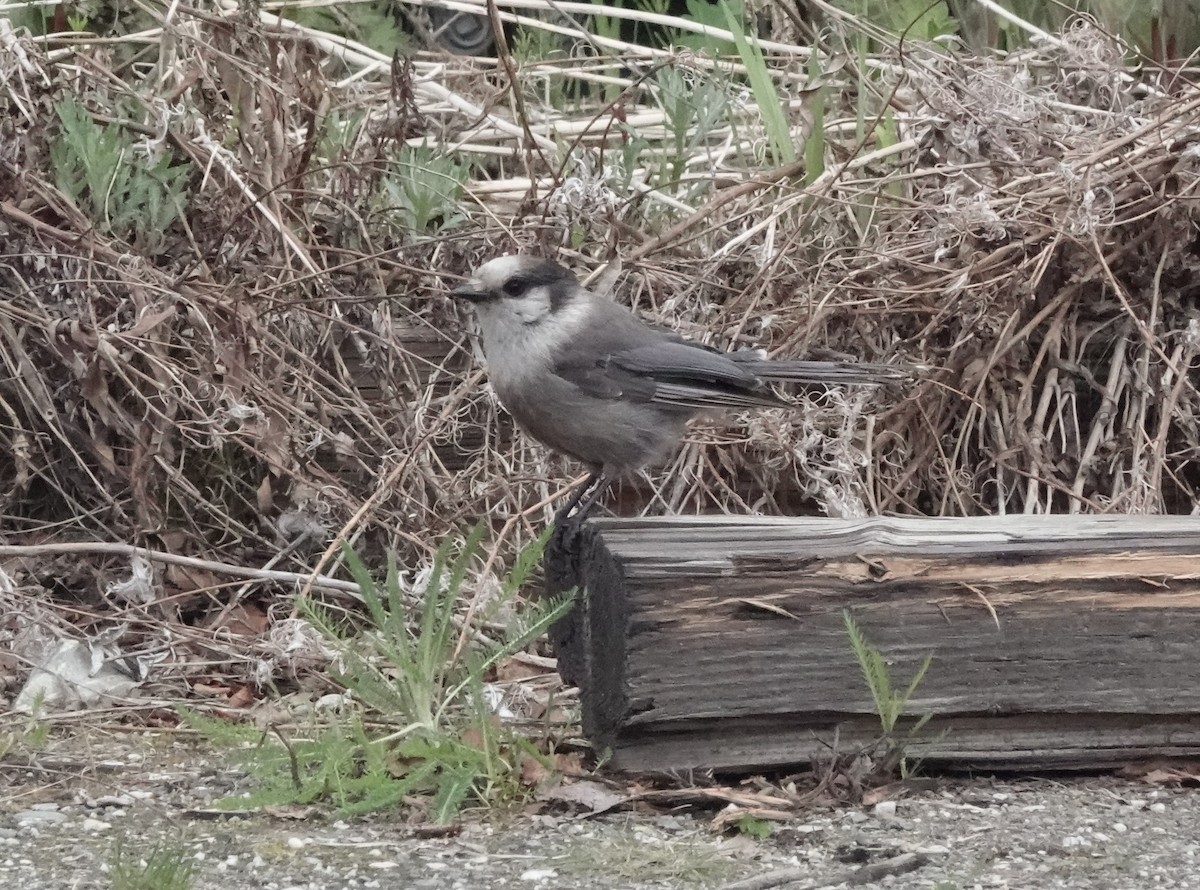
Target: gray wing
816,372
623,358
669,372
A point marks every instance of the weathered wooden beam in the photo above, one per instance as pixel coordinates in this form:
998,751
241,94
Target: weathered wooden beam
719,642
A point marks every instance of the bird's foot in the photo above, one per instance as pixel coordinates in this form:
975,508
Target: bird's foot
568,522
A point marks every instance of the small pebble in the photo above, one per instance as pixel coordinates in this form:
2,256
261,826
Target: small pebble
1158,807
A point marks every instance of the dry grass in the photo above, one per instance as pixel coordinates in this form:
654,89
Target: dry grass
280,366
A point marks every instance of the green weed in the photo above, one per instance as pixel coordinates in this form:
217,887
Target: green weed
752,826
703,12
770,106
814,144
372,24
694,106
922,20
432,734
166,867
28,739
125,193
422,191
890,702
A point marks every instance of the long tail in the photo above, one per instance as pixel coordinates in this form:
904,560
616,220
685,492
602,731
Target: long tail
826,372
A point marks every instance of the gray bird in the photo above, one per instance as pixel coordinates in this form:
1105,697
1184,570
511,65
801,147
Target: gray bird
582,375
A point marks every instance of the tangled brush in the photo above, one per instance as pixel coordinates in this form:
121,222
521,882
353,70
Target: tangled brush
224,331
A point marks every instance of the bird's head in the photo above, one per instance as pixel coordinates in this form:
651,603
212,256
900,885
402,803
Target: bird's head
524,288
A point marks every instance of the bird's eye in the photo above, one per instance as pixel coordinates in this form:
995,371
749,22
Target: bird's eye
514,287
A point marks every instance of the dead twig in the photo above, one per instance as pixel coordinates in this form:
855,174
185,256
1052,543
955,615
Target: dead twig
866,874
128,551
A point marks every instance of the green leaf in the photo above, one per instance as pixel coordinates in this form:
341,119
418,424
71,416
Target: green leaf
124,194
770,106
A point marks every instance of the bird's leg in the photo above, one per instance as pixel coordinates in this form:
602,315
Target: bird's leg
568,519
598,487
561,516
563,569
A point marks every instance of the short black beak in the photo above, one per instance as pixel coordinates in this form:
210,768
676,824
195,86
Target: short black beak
471,290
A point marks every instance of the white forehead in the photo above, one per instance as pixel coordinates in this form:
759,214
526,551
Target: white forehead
495,272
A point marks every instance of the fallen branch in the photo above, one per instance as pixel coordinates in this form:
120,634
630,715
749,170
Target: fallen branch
896,865
320,582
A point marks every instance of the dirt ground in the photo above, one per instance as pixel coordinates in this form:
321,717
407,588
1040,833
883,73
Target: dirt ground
63,816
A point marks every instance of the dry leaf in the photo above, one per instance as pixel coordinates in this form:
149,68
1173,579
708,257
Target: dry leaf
533,771
514,669
242,697
594,796
570,765
244,620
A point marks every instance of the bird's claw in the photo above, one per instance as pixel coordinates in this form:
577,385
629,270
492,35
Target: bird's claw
568,521
566,530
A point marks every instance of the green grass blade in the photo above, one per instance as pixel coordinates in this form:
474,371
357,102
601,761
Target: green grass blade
770,106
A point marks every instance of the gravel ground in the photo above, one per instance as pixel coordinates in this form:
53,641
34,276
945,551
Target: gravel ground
62,818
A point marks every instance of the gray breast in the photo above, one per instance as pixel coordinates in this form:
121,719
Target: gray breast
611,434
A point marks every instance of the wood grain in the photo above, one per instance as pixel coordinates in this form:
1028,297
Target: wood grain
720,643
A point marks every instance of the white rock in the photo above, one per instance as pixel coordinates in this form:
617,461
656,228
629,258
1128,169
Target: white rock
538,874
39,817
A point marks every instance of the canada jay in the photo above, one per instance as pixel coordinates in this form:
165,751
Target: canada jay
584,376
